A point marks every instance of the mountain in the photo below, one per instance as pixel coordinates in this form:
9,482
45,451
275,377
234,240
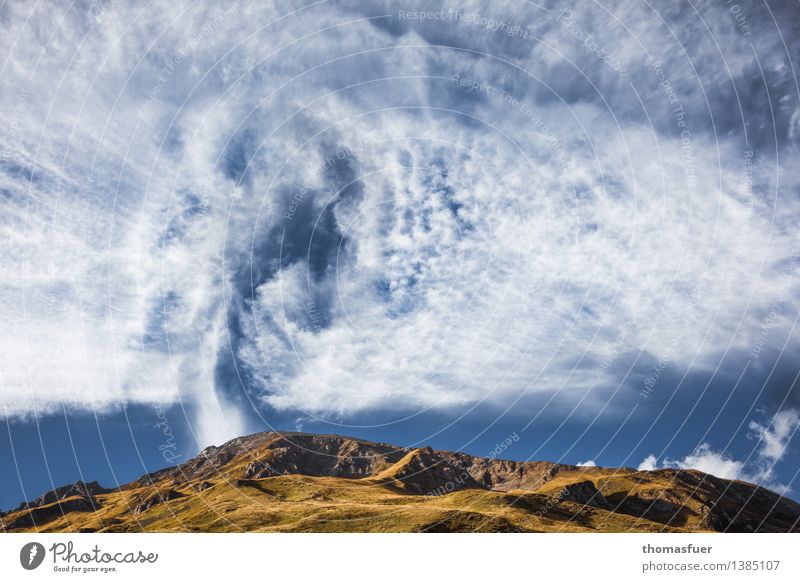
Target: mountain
327,483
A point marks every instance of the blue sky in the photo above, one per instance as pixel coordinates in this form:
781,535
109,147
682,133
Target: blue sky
418,225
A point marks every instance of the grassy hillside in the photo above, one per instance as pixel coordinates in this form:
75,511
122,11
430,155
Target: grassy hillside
325,483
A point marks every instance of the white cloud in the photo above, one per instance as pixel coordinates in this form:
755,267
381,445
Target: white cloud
468,307
589,463
480,263
775,436
772,441
648,464
709,461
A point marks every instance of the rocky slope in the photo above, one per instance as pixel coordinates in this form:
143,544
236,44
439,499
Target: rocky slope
305,482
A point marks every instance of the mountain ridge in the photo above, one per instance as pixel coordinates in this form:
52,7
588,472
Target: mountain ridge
293,481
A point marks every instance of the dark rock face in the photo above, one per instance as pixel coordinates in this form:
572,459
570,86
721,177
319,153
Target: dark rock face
79,488
156,499
430,473
585,493
322,455
651,506
510,475
272,454
259,470
38,516
726,506
739,507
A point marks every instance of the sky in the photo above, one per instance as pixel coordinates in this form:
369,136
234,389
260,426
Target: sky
419,224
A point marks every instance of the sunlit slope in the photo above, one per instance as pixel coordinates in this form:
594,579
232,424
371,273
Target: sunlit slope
327,483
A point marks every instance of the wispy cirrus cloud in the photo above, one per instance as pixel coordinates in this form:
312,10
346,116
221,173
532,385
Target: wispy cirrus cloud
304,208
